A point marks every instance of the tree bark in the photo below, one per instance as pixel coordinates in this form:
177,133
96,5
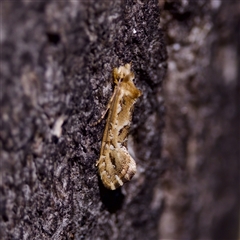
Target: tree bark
56,79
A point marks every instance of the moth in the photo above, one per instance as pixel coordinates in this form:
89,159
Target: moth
115,165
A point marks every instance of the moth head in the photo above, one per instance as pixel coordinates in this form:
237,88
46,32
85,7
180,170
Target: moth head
122,72
130,86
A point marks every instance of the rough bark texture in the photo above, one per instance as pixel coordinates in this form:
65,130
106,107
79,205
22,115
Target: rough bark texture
56,64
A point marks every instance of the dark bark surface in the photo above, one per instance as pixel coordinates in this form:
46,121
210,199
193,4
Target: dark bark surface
56,65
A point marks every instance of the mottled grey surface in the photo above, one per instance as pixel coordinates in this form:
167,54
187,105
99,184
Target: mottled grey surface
56,64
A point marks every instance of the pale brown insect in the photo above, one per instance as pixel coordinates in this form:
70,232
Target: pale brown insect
115,164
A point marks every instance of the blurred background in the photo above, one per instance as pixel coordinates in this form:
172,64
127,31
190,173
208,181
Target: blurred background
56,79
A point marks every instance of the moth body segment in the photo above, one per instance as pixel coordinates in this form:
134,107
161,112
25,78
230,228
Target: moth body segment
115,165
